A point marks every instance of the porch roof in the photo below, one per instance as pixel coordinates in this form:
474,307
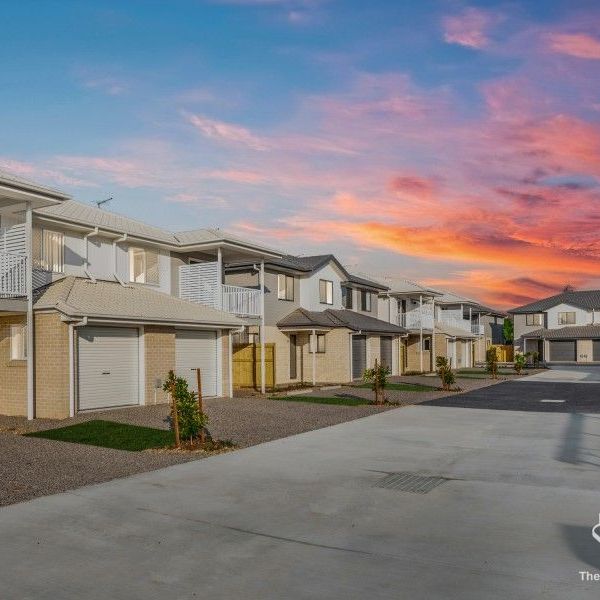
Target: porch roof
333,318
566,333
77,297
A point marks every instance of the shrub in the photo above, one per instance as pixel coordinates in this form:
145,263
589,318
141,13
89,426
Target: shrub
535,357
519,363
491,362
191,422
445,372
378,378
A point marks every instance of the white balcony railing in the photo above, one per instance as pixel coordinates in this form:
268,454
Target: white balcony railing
241,301
415,319
463,324
199,283
476,329
13,275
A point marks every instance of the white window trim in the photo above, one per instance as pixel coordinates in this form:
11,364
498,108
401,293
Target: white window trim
18,350
564,313
319,336
282,287
328,292
56,267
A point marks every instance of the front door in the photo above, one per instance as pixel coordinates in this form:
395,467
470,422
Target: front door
293,357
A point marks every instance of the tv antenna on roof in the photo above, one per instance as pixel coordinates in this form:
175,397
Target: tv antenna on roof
101,203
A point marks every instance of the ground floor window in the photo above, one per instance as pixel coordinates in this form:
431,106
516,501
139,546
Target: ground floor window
426,344
318,344
18,342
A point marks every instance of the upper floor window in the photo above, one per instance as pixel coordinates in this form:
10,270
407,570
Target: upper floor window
566,318
325,291
18,341
143,266
534,319
346,297
285,287
365,300
52,251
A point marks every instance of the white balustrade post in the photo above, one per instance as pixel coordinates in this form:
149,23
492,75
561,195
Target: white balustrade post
219,279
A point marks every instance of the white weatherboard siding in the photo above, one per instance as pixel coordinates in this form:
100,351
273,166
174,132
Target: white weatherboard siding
197,349
582,317
108,367
309,288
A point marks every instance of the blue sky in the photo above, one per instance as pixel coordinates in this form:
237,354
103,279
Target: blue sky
415,138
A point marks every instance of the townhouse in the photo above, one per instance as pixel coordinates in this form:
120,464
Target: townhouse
96,308
564,328
322,319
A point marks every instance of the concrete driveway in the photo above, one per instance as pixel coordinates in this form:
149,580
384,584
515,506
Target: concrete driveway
568,374
304,517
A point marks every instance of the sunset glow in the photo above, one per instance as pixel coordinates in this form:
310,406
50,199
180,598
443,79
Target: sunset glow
454,144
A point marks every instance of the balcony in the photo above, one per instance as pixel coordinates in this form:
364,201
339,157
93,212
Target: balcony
13,275
200,283
476,329
456,322
415,319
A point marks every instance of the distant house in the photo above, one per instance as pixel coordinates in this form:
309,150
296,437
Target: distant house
562,328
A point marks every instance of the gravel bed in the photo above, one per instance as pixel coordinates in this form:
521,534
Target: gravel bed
33,467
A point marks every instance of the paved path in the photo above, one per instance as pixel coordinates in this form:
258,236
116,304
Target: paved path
302,517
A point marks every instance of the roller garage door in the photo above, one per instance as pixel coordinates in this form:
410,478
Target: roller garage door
197,349
108,367
386,352
359,356
563,350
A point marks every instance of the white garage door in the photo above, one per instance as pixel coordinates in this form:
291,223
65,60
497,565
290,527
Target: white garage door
108,367
193,350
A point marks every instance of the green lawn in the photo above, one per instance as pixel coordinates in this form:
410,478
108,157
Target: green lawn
109,434
405,387
339,400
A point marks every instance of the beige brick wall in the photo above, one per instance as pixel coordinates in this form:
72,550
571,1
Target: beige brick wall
51,366
441,347
159,346
13,374
225,361
585,351
373,350
332,366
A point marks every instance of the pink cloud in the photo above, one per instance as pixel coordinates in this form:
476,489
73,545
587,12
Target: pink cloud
470,28
579,45
227,132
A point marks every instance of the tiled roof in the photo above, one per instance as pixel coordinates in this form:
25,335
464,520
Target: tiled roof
80,297
453,331
16,181
366,282
332,318
566,333
92,216
587,299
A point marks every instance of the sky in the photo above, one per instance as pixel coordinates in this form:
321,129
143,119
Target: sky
452,143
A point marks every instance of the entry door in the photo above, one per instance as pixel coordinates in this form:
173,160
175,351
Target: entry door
451,351
293,357
359,356
193,350
596,350
385,346
108,373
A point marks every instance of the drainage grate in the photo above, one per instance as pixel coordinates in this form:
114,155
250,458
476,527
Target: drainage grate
410,482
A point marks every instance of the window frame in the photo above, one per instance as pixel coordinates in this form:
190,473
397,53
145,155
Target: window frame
560,317
321,348
288,286
347,297
534,317
366,302
426,345
18,351
132,250
44,258
327,286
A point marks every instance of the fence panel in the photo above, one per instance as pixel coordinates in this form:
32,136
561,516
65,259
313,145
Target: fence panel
246,366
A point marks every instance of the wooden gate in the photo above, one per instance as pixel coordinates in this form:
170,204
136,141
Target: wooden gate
246,366
504,353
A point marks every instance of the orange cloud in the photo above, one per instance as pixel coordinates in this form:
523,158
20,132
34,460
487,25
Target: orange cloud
579,45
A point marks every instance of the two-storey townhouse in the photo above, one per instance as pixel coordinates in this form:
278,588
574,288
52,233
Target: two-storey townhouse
322,319
561,328
96,308
465,329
